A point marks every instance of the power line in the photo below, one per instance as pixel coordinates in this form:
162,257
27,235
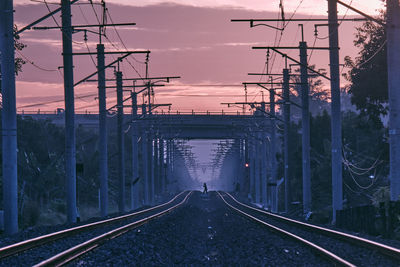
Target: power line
55,21
122,42
377,51
94,11
32,63
340,23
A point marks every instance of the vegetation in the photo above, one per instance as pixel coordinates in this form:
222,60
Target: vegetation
365,137
368,71
18,47
41,173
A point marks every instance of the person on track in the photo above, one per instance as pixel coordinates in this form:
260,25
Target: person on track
205,188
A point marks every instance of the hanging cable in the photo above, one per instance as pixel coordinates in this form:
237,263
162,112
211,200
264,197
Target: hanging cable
32,63
55,21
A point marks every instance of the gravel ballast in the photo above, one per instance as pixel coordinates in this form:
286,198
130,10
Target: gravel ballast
203,232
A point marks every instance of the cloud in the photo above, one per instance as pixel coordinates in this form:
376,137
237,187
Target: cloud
199,44
307,7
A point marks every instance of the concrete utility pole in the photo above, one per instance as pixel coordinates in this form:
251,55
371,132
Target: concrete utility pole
103,160
257,166
273,150
9,118
286,116
263,165
305,125
151,166
145,159
121,142
70,154
135,155
393,61
252,156
337,190
169,165
264,168
155,167
162,166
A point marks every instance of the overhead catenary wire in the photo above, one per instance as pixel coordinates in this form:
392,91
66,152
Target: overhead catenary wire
55,21
376,53
34,64
340,23
122,42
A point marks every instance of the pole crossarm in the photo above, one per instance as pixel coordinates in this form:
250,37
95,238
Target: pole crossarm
298,62
137,86
277,74
246,103
269,89
299,20
123,101
252,104
85,26
111,53
141,79
105,67
361,13
289,47
29,26
153,78
258,83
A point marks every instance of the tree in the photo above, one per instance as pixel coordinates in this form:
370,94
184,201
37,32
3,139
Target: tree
319,96
368,73
18,47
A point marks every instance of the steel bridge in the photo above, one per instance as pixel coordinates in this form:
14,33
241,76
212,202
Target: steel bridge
158,161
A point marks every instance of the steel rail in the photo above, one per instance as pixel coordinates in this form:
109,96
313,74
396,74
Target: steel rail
41,240
326,253
77,251
382,248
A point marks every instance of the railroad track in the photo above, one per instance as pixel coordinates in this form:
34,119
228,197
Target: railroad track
26,245
275,223
386,250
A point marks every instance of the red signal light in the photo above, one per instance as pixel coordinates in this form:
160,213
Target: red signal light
246,165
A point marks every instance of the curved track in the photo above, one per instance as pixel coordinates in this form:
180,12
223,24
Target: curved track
276,222
77,251
26,245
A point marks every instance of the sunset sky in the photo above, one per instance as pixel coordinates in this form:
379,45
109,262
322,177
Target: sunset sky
191,39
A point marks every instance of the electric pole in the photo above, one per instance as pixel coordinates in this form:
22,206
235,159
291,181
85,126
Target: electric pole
286,116
121,142
273,149
103,160
305,125
145,159
263,165
393,61
135,154
70,157
9,118
336,126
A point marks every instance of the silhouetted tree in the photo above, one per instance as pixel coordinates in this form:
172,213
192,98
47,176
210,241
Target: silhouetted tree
368,71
